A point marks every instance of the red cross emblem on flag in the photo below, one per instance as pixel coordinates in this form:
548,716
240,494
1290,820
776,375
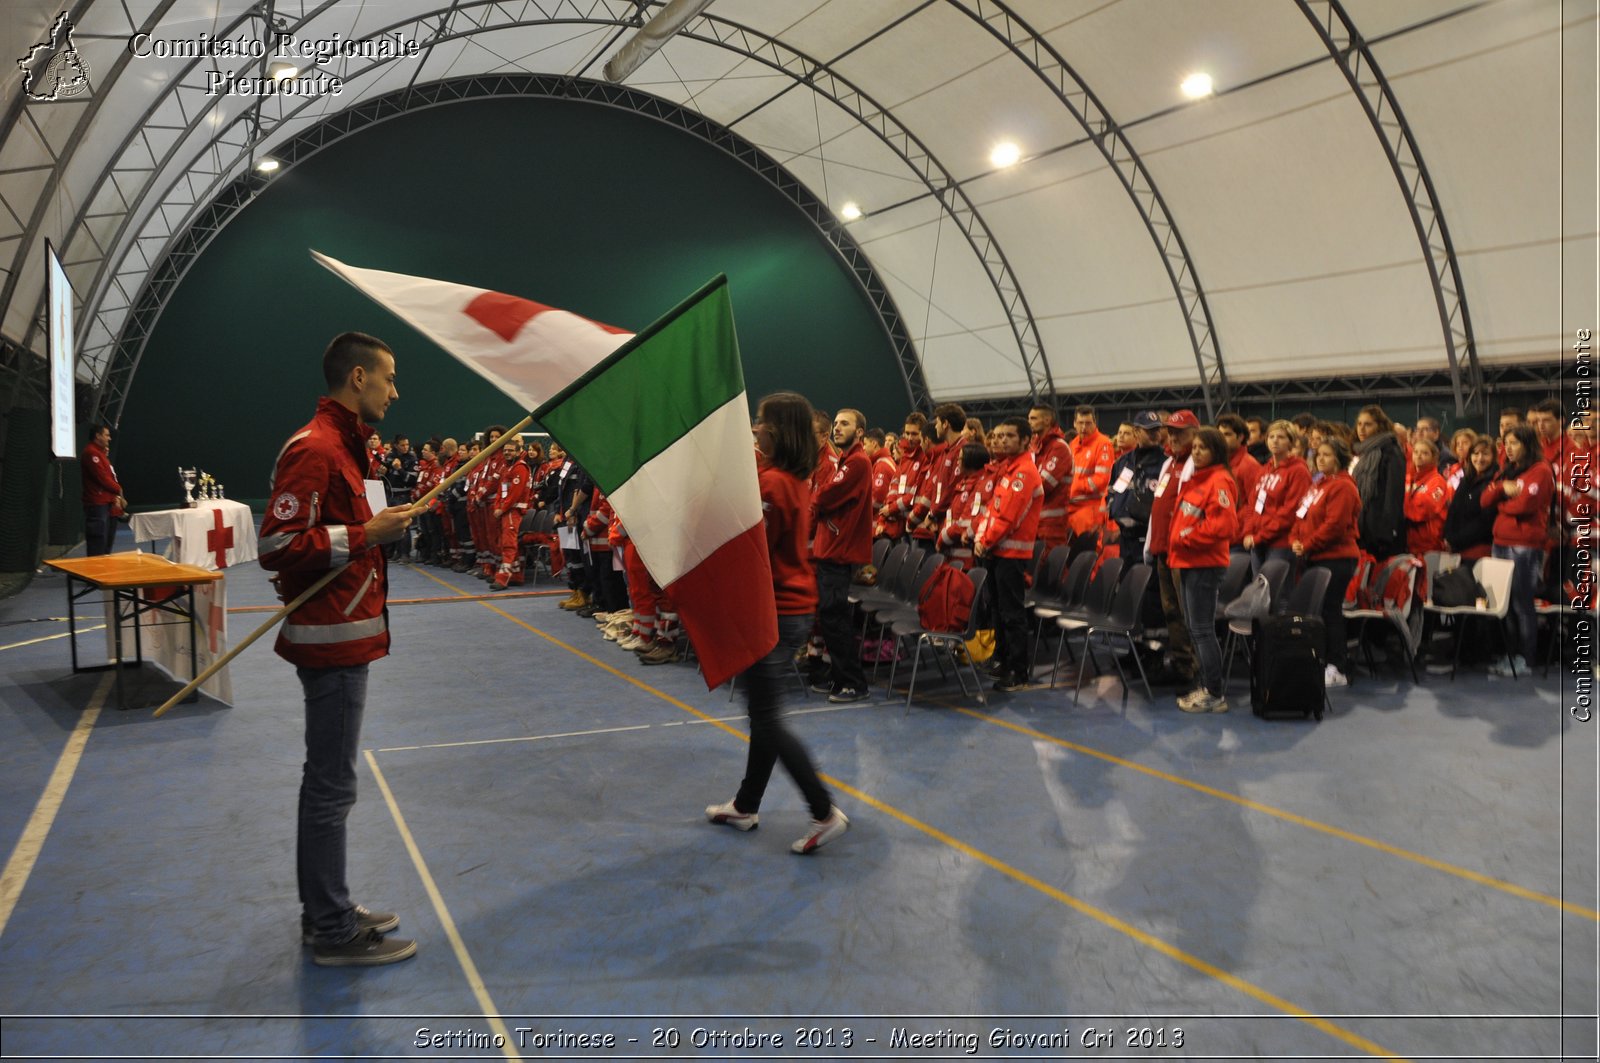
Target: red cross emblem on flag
219,539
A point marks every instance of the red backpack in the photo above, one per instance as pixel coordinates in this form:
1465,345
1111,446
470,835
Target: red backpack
946,600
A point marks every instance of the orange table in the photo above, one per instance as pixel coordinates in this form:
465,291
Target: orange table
126,576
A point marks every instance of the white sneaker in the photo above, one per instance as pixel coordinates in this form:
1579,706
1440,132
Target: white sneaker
726,813
631,642
1332,677
1186,701
1509,667
822,832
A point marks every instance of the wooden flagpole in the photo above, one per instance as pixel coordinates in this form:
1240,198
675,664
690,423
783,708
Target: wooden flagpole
222,662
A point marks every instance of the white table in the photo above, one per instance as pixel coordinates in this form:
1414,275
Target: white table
214,535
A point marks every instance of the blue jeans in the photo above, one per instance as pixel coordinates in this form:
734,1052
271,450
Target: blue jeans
1199,587
1528,565
1260,555
335,701
770,740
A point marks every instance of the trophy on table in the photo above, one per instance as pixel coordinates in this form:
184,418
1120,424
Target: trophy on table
189,477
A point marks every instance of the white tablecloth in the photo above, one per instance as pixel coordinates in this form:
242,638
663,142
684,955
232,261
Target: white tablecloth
213,535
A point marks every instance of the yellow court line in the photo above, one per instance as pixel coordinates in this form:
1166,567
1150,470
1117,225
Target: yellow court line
470,969
1290,817
1104,918
26,852
47,638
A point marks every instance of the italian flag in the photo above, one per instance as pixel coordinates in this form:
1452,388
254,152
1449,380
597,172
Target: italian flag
663,427
526,349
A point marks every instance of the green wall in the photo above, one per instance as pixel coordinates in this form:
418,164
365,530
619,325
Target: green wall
580,206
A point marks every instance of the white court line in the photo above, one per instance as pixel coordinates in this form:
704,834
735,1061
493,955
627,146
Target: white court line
606,730
525,738
47,638
26,852
468,968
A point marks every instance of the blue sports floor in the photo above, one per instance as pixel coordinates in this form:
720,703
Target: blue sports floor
1412,878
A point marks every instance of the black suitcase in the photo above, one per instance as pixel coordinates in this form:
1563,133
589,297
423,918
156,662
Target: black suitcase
1287,671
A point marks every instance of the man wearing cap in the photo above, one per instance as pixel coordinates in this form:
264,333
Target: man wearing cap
1133,486
1181,663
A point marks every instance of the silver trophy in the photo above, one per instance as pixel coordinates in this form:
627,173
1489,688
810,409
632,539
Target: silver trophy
189,478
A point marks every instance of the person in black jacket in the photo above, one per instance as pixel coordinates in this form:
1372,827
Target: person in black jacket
1468,525
1379,470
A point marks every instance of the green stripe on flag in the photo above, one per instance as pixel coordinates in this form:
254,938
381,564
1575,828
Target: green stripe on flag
651,391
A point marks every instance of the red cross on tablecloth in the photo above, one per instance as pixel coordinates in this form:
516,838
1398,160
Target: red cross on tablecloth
219,539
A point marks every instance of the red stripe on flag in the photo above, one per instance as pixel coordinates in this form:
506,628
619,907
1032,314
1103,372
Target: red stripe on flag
504,315
726,605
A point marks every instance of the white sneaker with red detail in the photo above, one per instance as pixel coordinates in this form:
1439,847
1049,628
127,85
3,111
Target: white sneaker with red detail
822,832
725,813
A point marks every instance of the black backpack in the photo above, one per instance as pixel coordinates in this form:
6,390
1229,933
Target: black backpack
1287,672
1456,587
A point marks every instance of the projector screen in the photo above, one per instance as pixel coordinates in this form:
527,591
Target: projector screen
63,359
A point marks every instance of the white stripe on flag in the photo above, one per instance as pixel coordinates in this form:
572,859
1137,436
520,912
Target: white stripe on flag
674,530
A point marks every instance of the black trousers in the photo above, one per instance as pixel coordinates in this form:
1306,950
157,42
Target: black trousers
834,615
1008,578
99,529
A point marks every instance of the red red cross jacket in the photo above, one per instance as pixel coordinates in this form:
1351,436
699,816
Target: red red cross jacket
1011,526
100,486
932,496
1427,500
1269,512
966,507
1092,459
316,521
902,486
842,510
1523,520
1053,458
516,490
1325,523
597,525
1206,519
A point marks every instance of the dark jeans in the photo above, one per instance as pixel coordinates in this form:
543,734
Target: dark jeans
1008,577
770,740
1260,555
1180,649
1528,565
838,633
610,584
335,701
1199,587
99,529
1341,570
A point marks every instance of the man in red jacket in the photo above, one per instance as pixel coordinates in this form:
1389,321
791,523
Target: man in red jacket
1092,458
1181,661
842,516
102,494
909,471
319,520
939,476
507,510
1005,539
1053,458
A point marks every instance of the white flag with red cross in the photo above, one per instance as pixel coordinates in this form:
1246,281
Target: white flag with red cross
526,349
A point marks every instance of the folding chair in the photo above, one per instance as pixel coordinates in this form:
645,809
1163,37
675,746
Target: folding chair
1494,575
948,641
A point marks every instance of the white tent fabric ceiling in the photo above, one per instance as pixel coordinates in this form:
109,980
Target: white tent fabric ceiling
1296,228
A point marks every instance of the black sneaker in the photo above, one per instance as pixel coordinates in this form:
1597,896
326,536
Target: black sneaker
821,686
848,696
382,922
369,948
1007,684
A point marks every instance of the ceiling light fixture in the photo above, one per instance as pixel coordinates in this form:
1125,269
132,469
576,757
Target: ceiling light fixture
1197,85
850,211
281,71
1006,153
268,164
